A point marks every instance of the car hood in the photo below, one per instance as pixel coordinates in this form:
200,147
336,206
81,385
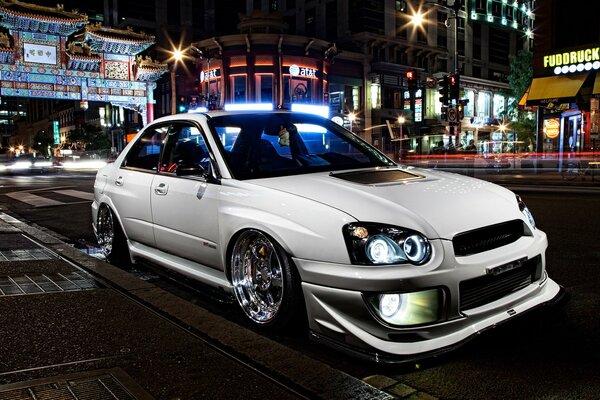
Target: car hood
438,204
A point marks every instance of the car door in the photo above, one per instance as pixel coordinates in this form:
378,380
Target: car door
184,201
131,184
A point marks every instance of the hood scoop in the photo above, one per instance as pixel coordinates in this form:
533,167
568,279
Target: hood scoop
375,177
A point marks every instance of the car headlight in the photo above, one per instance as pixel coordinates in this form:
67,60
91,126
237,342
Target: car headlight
525,211
377,244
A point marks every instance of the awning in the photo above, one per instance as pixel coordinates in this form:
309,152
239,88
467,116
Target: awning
597,84
555,89
523,101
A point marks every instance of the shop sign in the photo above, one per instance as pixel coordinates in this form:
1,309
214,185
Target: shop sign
56,132
303,72
573,61
552,128
210,74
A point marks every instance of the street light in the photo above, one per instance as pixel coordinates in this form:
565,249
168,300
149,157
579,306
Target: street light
453,8
177,55
352,118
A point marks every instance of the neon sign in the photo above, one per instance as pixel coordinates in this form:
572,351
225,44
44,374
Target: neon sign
573,61
210,74
303,72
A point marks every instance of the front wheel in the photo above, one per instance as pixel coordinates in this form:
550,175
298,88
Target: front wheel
265,283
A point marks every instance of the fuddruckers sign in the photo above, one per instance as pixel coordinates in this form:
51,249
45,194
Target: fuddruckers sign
573,61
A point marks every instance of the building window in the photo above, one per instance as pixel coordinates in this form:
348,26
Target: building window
238,85
483,105
264,88
470,106
496,8
498,106
481,6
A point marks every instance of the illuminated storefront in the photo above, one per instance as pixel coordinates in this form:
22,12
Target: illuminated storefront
278,69
565,93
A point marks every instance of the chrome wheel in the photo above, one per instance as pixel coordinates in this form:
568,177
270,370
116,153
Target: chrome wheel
105,231
257,273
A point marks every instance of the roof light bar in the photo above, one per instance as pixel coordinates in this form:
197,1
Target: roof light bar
322,111
248,107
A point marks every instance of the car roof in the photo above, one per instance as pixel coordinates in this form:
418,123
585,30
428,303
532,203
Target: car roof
204,115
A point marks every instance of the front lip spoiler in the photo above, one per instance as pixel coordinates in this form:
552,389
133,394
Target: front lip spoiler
386,358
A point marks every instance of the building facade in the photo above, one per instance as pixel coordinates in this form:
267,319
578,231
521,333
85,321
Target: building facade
357,54
565,91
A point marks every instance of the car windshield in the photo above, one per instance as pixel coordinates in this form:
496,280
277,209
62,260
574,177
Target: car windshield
280,144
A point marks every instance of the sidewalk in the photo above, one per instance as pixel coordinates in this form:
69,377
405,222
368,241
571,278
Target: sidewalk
76,327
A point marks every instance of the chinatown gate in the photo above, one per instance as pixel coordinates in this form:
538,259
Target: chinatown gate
47,52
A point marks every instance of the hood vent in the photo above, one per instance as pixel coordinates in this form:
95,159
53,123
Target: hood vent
374,177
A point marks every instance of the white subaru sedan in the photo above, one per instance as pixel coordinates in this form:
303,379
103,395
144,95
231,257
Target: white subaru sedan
295,216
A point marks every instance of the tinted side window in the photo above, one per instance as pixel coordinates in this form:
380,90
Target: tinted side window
145,153
185,147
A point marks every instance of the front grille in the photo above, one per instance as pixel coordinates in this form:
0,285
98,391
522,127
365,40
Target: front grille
485,289
488,238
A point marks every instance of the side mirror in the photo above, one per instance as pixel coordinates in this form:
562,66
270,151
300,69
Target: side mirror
190,169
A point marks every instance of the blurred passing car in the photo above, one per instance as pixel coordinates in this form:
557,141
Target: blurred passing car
292,214
27,163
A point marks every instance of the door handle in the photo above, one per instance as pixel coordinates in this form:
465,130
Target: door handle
162,189
119,181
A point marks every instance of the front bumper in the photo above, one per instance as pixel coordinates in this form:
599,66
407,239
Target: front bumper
337,310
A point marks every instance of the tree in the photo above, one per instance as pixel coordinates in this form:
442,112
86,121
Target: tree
519,79
42,140
89,137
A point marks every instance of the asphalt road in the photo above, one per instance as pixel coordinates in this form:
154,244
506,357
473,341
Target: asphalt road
549,353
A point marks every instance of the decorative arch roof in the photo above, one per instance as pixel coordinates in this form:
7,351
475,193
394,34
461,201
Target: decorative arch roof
15,14
116,41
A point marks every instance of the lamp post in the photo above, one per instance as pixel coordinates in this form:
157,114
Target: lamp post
176,57
452,8
401,121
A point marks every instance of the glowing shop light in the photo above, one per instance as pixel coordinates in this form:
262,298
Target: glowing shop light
198,110
248,107
322,111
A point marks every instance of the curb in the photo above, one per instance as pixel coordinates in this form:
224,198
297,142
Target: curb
310,377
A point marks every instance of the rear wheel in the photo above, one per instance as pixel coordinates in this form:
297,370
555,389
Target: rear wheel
111,238
266,285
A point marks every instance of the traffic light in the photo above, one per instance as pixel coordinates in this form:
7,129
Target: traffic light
454,86
444,90
411,79
444,115
182,105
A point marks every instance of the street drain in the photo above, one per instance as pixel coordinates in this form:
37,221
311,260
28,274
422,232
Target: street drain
114,384
46,283
26,255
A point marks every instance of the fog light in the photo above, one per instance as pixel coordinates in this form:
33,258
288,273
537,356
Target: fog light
389,304
406,309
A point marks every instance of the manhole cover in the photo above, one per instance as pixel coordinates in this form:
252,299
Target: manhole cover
15,285
97,385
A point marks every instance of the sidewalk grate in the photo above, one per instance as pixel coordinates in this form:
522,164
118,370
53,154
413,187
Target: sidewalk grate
26,255
46,283
96,387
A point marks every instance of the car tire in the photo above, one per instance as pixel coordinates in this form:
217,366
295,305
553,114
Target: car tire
111,238
265,281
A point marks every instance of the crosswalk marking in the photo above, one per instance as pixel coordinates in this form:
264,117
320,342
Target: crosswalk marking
40,201
76,193
34,199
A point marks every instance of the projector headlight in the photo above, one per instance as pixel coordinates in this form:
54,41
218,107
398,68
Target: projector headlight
376,244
